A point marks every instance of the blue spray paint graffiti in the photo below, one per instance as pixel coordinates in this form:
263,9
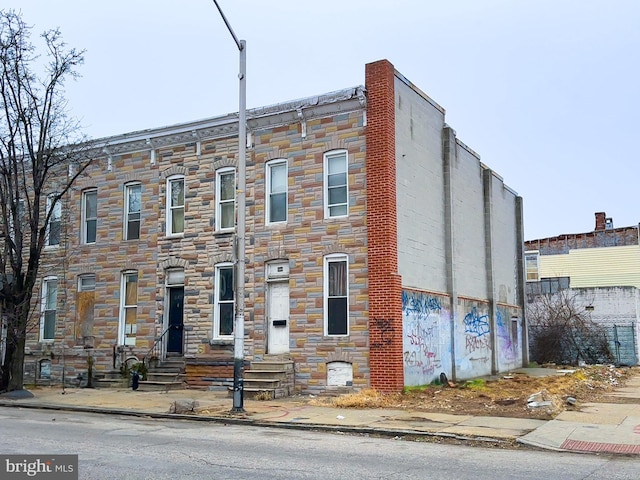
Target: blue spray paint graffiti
419,305
476,324
421,325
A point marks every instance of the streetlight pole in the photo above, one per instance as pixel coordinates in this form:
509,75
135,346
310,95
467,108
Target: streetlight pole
238,330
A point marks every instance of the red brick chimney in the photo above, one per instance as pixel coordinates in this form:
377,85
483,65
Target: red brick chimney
600,221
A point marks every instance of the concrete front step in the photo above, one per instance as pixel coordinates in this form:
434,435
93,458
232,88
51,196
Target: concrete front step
259,374
286,365
156,386
261,383
165,376
112,382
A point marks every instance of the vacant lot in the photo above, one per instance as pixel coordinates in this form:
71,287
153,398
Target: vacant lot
514,395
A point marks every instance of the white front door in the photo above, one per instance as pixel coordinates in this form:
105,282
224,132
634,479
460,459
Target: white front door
278,317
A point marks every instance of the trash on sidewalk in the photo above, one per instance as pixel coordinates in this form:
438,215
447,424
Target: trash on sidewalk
538,400
183,407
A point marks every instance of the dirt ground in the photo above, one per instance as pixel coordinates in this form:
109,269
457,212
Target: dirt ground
513,395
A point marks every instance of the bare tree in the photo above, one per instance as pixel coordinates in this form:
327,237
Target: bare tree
42,153
561,331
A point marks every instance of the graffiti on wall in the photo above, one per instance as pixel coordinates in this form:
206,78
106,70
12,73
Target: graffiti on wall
476,324
386,331
508,348
421,342
477,342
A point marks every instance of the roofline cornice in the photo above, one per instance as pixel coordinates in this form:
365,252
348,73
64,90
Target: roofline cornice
341,101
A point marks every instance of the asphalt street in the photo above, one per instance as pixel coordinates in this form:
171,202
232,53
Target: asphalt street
114,446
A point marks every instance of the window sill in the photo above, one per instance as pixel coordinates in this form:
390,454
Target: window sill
221,341
224,232
174,235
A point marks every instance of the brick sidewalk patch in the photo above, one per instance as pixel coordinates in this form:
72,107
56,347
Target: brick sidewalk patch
599,447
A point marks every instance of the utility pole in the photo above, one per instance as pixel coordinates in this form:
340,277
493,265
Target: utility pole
238,330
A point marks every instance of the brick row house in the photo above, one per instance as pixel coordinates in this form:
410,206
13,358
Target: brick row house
381,252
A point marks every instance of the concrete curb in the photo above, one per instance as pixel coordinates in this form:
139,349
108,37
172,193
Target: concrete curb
385,432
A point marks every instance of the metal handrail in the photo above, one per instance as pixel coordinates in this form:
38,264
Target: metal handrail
157,348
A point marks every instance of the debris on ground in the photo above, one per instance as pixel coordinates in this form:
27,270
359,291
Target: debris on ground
183,407
514,394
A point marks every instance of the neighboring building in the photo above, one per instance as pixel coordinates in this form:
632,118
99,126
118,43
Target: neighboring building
380,251
602,269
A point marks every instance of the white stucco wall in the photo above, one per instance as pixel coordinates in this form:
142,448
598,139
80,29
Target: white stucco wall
505,242
420,186
469,225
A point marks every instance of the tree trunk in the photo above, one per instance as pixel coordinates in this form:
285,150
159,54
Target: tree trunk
6,366
16,373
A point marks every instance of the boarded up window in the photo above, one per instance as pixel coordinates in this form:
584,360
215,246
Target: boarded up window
85,302
339,374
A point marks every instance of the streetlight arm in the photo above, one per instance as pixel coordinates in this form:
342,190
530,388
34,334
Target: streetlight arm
226,22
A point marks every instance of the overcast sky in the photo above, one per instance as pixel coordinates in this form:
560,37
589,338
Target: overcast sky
546,91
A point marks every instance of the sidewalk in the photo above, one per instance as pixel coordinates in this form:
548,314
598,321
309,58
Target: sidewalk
596,428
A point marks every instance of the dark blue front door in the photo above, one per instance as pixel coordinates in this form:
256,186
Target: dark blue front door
174,342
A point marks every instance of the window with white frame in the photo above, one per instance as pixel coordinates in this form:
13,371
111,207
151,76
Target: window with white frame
132,207
276,188
53,227
336,192
175,205
531,266
129,308
225,199
223,301
49,308
89,216
336,297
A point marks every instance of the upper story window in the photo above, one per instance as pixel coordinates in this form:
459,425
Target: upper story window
49,308
531,266
89,216
132,206
225,198
276,189
175,205
16,221
336,296
53,227
336,192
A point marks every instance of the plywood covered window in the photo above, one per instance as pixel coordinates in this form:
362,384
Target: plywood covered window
85,304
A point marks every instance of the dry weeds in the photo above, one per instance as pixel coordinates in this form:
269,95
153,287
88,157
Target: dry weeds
507,396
